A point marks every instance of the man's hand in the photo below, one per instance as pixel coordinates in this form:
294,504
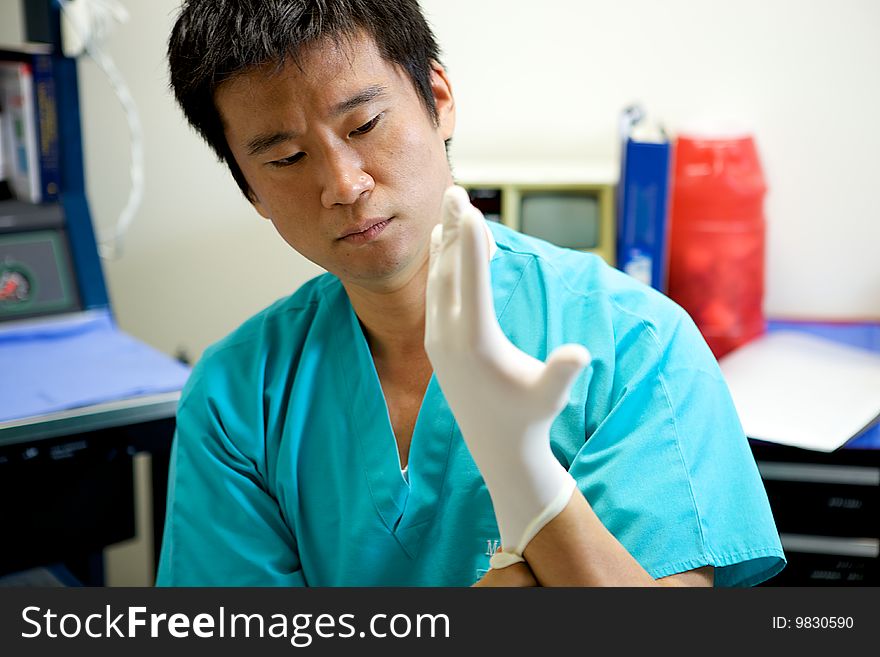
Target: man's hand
518,575
503,399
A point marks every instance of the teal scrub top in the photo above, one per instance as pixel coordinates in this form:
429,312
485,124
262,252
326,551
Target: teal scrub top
285,470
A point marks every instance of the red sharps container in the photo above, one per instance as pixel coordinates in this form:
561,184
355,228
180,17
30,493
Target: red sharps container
717,236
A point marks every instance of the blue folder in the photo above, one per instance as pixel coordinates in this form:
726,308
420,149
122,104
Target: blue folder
644,211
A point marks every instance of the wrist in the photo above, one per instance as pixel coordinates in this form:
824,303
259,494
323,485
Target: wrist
526,499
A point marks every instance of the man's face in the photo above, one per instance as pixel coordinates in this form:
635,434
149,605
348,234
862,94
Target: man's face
343,157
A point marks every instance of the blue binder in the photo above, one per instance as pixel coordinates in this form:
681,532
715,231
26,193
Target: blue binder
45,104
642,231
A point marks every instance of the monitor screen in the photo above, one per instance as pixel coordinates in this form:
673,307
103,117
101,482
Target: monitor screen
568,219
35,275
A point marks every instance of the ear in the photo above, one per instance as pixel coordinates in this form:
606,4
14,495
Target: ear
444,102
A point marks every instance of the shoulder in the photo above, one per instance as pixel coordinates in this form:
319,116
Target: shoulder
276,332
609,304
236,390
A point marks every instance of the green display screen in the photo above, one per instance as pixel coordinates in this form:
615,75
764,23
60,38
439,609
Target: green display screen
567,219
35,275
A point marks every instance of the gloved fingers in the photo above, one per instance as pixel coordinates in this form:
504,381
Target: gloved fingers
431,287
434,248
561,369
447,276
490,238
478,310
455,203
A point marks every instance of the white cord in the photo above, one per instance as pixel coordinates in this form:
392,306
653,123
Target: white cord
86,25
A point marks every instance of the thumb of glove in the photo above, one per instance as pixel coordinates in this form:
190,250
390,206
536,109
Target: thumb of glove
562,368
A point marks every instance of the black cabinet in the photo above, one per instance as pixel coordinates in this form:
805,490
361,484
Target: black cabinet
827,511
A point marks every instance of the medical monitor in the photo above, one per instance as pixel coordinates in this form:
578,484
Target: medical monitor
572,207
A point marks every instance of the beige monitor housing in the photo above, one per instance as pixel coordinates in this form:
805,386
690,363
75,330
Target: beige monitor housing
514,182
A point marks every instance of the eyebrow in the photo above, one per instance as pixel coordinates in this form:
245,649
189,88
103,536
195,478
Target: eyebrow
370,93
262,143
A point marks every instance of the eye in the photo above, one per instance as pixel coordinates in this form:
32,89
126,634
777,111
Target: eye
287,161
366,127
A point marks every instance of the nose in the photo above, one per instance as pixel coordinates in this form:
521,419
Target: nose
345,180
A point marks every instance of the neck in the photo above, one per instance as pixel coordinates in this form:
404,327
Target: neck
393,318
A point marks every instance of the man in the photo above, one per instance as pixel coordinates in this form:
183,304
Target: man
319,444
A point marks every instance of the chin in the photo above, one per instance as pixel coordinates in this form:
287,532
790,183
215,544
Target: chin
384,272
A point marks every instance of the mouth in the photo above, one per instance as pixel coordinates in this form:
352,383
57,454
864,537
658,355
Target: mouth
365,231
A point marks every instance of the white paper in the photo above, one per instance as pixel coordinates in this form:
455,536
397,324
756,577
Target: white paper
804,391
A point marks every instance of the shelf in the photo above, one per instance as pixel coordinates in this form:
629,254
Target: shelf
20,215
25,49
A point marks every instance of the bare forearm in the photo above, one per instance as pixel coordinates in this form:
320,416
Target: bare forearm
575,549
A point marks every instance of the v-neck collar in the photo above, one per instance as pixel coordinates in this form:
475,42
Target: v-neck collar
405,508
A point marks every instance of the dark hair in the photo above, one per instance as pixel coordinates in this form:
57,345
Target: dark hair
214,40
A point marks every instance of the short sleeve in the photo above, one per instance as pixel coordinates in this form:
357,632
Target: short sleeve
222,527
667,467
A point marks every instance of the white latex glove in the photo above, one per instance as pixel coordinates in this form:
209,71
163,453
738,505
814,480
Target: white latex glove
503,399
